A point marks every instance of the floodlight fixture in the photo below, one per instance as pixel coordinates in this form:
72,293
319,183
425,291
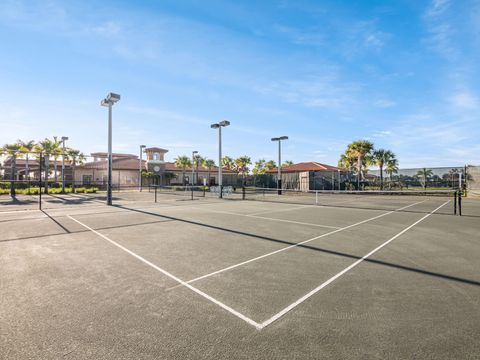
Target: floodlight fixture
279,167
219,126
109,100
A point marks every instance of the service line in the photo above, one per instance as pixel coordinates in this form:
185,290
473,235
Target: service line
295,245
348,268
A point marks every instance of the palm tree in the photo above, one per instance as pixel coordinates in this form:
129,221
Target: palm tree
424,175
12,150
228,163
347,160
380,158
360,149
258,169
287,163
75,156
241,166
27,147
56,152
197,161
209,164
183,162
47,147
270,165
391,167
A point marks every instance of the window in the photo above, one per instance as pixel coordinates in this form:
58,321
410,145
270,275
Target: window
156,156
87,179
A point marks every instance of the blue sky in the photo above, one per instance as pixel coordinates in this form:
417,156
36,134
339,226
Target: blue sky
403,74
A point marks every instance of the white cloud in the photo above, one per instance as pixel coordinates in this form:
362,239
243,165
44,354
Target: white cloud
465,101
384,103
437,8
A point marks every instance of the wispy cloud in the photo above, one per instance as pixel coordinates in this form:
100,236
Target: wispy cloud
465,100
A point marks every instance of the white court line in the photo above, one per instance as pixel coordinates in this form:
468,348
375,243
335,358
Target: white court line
348,268
294,245
280,210
173,277
17,211
267,218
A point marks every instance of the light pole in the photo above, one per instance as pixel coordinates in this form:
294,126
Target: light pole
193,166
140,185
219,126
108,102
279,173
64,138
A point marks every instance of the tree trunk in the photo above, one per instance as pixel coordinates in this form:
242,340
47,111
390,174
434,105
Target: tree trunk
381,177
359,169
12,176
26,167
73,175
55,170
47,165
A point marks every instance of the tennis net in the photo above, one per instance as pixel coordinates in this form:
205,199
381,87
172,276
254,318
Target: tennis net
413,200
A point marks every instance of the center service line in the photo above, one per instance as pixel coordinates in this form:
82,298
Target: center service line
199,292
348,268
294,245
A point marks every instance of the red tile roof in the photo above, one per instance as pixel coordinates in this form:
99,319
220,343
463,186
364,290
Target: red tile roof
306,166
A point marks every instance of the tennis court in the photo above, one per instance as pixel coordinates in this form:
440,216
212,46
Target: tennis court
271,276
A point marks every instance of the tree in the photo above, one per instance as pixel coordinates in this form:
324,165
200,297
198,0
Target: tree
74,156
183,162
197,161
380,158
360,149
287,163
424,175
241,166
228,163
259,168
46,147
26,147
56,152
12,150
209,164
391,167
347,160
270,165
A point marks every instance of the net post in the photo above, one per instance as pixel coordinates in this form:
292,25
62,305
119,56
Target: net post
455,203
191,193
460,203
156,193
316,197
243,192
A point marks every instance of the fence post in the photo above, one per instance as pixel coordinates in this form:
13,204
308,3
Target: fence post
40,184
455,203
459,203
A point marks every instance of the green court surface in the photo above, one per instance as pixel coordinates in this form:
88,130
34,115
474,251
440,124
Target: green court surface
238,279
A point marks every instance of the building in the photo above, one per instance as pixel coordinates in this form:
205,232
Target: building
311,175
126,170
